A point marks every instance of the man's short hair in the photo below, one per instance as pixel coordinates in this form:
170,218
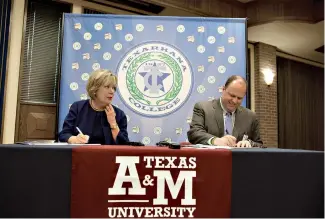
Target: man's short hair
233,78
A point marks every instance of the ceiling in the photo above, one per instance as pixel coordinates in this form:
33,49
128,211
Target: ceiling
295,38
299,39
292,37
245,1
304,40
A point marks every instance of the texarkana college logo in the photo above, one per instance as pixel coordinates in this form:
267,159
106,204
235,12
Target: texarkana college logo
155,79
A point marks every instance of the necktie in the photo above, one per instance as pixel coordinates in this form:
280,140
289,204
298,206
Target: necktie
228,124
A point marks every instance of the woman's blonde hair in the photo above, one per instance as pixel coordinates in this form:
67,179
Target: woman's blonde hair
98,78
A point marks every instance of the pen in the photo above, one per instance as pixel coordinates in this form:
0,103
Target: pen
80,132
84,136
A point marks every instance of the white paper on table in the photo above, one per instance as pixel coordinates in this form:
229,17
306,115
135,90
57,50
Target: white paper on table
203,146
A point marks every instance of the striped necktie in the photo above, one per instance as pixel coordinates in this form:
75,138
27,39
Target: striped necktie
228,124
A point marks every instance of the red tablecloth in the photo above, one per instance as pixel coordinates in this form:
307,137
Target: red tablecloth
124,181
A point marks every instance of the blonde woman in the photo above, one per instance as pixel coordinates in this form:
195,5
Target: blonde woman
98,121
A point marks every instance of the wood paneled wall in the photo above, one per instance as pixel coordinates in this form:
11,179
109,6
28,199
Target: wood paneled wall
301,105
36,122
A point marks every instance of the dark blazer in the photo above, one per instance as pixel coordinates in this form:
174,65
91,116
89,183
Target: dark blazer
208,121
81,115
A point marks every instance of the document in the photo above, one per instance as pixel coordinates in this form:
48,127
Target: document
203,146
50,143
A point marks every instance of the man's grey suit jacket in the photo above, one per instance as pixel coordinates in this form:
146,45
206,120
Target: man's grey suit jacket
207,122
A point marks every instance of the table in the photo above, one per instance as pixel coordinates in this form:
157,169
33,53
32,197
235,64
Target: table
40,181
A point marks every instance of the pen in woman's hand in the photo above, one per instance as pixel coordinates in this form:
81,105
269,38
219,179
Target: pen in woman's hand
80,132
85,137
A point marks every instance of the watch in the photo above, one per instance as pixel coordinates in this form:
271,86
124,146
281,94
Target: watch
114,126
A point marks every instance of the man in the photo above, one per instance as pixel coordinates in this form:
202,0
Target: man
223,121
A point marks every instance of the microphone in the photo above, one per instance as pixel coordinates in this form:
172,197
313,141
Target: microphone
171,145
134,143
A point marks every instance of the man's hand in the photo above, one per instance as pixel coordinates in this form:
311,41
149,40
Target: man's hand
244,144
79,139
227,140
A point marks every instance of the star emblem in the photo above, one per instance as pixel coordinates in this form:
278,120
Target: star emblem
154,78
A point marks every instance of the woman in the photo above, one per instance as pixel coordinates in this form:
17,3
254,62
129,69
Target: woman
97,119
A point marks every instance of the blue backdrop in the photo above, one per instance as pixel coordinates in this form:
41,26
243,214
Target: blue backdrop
164,66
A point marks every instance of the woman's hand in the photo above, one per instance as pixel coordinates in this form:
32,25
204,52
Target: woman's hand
110,114
79,139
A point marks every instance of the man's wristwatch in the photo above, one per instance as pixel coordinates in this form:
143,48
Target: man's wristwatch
114,126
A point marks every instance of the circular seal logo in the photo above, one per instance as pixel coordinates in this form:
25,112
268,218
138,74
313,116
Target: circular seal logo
221,30
211,39
73,86
139,27
201,49
128,37
87,36
96,66
157,130
211,79
98,26
85,76
107,56
155,79
146,140
222,69
201,89
117,46
231,59
76,46
180,28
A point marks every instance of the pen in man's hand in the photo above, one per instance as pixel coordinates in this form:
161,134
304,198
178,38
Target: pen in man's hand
245,137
